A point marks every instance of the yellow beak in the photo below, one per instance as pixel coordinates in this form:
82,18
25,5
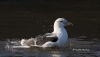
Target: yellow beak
69,24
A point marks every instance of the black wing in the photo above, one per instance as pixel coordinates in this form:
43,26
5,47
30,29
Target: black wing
42,39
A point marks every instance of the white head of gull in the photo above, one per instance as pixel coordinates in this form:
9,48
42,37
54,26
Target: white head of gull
59,32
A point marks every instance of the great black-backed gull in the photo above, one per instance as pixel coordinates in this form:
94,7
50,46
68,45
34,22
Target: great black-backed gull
57,38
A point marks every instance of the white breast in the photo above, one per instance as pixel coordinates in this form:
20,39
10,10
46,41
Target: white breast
63,36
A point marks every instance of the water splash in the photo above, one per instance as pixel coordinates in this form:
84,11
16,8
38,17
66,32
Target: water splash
35,40
13,43
10,43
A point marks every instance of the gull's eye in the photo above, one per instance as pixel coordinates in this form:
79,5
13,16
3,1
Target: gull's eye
60,21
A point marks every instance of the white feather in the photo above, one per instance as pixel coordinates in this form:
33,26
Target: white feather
60,32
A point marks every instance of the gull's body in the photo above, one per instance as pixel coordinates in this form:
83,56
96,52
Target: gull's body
58,37
59,32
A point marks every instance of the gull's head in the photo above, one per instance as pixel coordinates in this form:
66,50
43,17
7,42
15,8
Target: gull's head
61,22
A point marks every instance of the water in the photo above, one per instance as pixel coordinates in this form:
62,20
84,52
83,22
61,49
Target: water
74,48
29,20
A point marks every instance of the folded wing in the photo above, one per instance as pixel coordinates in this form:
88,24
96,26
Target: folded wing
45,38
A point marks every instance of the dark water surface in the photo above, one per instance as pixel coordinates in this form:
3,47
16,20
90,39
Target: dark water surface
29,19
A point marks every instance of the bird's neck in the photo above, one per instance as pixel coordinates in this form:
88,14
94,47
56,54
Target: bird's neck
58,28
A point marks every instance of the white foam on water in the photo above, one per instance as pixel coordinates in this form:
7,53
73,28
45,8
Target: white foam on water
20,46
10,44
15,44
